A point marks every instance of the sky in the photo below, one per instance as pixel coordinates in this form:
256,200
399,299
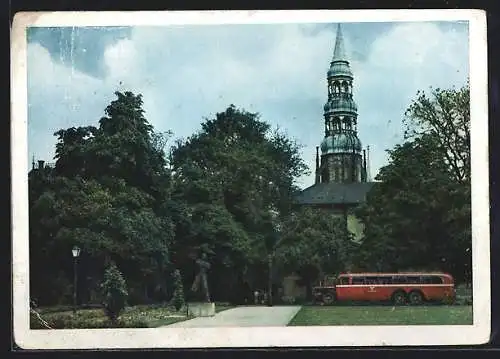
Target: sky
188,73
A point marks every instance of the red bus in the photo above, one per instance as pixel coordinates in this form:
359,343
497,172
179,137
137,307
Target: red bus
400,288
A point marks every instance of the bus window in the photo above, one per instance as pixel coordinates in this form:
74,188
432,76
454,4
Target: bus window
399,280
436,280
413,280
358,280
426,280
432,279
384,280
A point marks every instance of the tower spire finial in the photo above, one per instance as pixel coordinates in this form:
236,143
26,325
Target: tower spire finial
339,51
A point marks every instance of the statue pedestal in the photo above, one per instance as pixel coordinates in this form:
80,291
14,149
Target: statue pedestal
201,309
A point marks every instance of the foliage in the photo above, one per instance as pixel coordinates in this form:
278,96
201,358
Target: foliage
132,317
226,178
419,215
315,242
445,116
113,194
108,194
114,292
178,297
228,190
59,321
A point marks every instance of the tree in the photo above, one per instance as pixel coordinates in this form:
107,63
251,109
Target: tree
314,242
419,215
123,146
109,193
114,292
446,116
221,175
70,150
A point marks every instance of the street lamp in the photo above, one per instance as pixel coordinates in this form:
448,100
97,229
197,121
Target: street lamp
270,283
276,228
76,253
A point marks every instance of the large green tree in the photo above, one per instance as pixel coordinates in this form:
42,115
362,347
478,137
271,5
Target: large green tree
109,194
228,176
419,215
444,115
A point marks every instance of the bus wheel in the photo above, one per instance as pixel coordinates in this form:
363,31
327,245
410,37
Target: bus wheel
399,298
328,299
416,297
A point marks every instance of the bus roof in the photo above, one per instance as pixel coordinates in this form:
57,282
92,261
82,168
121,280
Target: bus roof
394,274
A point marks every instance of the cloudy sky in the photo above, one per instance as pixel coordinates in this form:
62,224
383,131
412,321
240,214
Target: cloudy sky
186,73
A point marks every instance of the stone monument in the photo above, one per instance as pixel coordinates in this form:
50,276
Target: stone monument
205,308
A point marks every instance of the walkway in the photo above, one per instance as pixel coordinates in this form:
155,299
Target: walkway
276,316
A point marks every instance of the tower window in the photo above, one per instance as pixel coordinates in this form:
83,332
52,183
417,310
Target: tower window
346,87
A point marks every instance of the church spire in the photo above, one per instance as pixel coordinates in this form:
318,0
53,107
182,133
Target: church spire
341,158
339,53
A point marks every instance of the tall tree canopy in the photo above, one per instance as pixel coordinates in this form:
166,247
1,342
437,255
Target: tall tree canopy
445,115
229,176
419,215
108,194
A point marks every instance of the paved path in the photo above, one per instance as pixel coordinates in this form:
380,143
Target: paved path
275,316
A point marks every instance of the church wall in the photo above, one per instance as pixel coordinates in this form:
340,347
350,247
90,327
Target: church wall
355,226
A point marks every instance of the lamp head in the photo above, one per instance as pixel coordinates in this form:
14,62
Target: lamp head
75,251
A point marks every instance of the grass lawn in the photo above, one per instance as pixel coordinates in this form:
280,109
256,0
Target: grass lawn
138,316
383,315
142,316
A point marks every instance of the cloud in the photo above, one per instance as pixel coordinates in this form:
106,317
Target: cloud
58,97
399,64
79,47
187,73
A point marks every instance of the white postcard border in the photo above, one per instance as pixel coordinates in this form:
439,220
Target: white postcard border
477,333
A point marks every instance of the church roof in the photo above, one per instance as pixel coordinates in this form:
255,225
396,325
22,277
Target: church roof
334,193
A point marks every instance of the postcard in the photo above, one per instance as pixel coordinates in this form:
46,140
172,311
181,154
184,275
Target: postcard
222,179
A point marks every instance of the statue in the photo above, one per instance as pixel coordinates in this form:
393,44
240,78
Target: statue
201,278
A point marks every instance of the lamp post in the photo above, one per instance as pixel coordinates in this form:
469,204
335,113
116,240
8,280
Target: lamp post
270,283
271,243
76,253
276,241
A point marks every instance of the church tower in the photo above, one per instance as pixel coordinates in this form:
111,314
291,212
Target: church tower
341,182
342,159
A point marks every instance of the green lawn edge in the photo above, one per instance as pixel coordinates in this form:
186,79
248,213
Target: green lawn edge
142,316
382,315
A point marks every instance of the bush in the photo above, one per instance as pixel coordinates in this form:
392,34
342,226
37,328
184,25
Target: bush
114,292
178,297
69,321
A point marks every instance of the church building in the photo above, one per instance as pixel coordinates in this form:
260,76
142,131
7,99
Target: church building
341,162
